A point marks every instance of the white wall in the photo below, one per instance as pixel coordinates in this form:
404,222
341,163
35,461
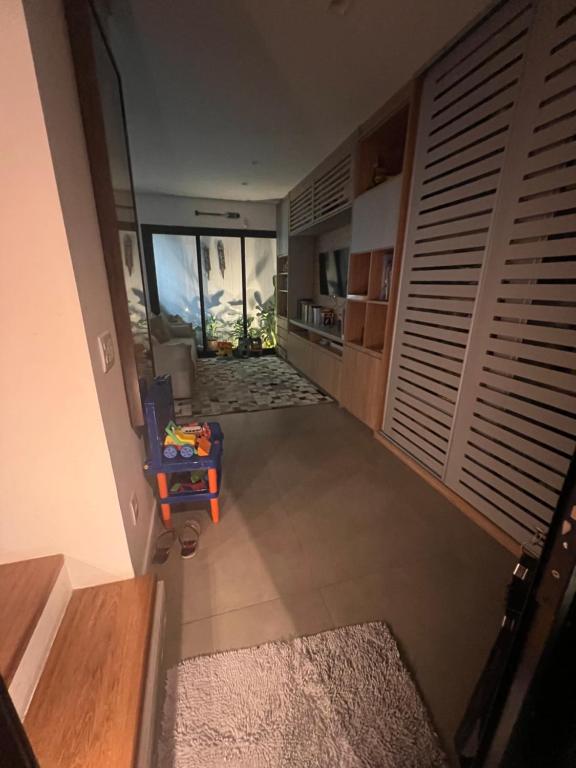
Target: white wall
172,210
57,480
55,73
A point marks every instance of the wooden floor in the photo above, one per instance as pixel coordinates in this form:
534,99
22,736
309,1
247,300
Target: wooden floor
86,709
24,590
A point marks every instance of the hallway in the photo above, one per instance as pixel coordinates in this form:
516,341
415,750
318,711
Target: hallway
322,527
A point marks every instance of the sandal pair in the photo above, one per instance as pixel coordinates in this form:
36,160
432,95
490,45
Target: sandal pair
188,536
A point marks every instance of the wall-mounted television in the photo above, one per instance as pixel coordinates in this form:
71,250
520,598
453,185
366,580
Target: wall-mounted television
333,266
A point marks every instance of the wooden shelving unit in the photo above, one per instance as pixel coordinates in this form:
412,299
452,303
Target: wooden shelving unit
282,286
366,305
380,153
353,369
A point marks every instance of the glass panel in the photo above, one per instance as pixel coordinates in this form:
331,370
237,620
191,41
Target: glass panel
110,94
176,266
261,289
221,259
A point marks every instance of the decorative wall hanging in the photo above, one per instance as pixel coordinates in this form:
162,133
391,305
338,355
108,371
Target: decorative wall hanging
128,253
206,260
221,257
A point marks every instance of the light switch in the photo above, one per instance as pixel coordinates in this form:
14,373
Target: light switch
106,346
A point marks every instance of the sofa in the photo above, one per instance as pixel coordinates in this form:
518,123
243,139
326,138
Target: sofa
175,353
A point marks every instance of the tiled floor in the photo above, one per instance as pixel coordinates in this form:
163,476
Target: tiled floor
322,527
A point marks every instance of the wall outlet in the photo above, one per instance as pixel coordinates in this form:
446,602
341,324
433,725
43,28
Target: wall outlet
106,347
134,508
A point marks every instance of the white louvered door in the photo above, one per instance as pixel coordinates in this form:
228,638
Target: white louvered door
483,377
515,430
329,192
302,209
333,189
468,103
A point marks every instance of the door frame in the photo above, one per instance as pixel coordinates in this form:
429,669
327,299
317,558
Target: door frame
149,230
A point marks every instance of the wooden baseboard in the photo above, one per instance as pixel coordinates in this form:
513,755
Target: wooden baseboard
471,512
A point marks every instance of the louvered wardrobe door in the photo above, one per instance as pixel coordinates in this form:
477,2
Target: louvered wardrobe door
516,424
333,189
468,102
302,209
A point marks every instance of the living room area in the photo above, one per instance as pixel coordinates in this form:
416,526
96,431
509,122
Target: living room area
304,378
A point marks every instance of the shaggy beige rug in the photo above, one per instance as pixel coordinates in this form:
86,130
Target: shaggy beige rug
340,699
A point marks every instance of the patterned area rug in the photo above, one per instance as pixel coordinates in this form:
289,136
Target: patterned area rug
235,386
340,699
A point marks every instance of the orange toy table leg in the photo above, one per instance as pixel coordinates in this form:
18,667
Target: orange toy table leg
213,488
163,493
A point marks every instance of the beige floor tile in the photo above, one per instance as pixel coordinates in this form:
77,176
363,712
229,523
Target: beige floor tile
243,570
316,515
280,619
445,622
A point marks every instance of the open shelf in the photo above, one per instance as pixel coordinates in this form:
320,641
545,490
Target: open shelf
375,325
330,332
327,337
358,274
355,321
369,276
380,154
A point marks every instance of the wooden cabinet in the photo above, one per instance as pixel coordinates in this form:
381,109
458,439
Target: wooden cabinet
281,336
320,366
359,384
369,275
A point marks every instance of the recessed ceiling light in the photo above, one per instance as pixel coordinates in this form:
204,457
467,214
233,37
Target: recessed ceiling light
339,6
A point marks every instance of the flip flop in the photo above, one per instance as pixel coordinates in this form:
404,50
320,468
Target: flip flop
189,538
164,544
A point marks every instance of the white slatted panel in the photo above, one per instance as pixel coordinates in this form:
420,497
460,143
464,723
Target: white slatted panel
515,431
302,209
333,189
328,193
468,102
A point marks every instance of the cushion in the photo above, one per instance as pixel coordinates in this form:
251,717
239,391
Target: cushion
159,328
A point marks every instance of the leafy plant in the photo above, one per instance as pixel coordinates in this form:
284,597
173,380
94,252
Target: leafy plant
266,314
237,331
213,326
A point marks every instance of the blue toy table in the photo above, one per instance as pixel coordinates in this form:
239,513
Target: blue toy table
158,412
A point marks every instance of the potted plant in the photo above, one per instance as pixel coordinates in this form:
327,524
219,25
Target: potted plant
213,325
266,314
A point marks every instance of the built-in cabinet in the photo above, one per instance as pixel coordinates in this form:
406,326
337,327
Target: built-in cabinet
322,366
482,374
355,194
360,371
463,189
326,192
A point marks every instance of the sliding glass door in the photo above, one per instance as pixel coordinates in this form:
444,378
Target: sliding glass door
218,285
221,260
260,269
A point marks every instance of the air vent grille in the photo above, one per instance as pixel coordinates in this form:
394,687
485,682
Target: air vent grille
332,190
329,193
301,209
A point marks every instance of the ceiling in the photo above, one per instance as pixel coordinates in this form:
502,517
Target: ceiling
240,99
